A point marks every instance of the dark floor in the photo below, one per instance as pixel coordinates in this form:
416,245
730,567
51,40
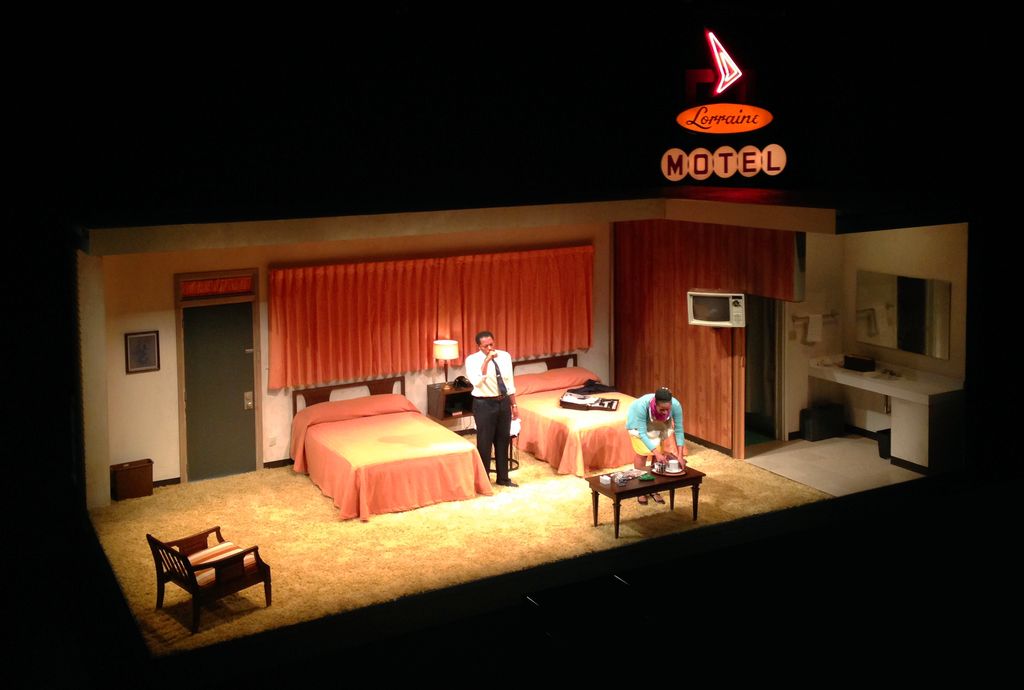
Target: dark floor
753,438
914,565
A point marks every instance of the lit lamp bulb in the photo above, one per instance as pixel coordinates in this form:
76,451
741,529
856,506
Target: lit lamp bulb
446,350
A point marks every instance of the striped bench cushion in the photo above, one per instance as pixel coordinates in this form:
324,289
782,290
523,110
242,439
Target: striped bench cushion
207,576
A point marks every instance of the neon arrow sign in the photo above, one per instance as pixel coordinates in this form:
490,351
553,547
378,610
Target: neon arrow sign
728,71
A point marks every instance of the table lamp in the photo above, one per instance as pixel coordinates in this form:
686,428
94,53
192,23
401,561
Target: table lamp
446,350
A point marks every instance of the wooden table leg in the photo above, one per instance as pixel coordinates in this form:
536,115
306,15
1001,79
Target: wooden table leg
616,517
595,507
672,498
696,491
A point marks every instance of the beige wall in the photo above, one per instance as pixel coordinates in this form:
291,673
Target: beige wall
143,408
832,264
938,252
823,295
93,339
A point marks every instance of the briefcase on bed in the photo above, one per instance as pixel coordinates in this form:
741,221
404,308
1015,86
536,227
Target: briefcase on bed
574,401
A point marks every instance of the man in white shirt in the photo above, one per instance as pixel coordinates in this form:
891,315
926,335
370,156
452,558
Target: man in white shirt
494,402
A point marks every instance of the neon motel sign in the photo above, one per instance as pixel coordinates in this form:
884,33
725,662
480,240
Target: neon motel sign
725,161
723,118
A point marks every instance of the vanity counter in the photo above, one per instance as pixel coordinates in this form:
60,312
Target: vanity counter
907,384
926,410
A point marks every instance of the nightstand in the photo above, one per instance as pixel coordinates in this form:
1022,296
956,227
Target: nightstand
449,404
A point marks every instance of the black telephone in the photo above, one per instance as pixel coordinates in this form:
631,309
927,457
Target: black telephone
462,382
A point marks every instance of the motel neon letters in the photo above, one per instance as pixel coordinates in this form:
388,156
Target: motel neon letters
725,161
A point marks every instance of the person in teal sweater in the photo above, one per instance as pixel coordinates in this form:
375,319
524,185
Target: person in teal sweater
650,421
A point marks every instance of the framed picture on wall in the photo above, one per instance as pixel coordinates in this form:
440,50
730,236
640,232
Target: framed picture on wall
141,352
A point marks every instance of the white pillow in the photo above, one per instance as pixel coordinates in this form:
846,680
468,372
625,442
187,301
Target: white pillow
531,368
350,393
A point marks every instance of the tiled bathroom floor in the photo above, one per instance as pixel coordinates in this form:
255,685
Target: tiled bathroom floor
837,466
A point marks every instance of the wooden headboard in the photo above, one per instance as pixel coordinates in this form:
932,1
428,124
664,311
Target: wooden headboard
553,362
312,396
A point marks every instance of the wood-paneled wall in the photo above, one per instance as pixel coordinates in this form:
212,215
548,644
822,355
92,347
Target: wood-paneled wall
656,262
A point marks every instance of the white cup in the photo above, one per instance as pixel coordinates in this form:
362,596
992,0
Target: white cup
673,465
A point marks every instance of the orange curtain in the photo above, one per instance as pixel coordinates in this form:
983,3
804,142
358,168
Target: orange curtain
535,302
342,322
350,321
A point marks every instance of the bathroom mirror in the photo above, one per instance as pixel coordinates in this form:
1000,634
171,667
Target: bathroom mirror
904,313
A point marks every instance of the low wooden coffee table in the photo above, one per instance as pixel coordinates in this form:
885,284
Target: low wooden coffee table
691,478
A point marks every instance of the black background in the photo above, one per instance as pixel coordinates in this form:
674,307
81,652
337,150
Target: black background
412,108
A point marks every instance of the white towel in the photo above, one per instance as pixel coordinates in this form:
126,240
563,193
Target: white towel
813,329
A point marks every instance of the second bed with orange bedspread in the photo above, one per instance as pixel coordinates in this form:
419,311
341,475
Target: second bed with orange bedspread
571,441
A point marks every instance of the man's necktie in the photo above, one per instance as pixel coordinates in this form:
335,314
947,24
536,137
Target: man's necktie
501,382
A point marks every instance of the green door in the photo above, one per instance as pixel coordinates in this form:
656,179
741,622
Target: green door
220,421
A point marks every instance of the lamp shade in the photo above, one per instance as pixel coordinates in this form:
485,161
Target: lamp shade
446,349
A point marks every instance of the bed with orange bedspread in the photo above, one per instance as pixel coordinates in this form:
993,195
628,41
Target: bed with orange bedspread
379,454
571,441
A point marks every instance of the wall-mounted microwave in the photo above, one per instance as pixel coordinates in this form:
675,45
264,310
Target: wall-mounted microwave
716,308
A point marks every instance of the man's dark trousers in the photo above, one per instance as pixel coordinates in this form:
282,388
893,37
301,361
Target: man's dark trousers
493,417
